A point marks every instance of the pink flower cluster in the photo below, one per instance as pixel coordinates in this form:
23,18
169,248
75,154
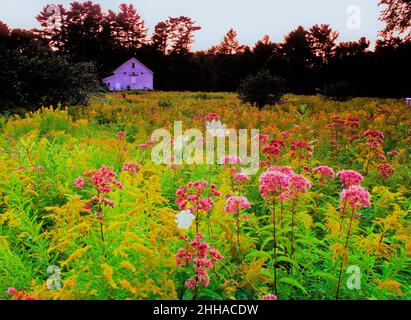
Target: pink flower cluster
212,117
356,196
201,256
193,196
146,145
285,134
350,178
270,297
104,182
282,181
374,138
79,183
298,184
283,169
273,183
342,128
261,138
230,160
301,149
234,204
352,128
19,295
273,150
337,122
385,170
353,194
237,173
324,172
240,177
32,166
121,135
171,162
131,167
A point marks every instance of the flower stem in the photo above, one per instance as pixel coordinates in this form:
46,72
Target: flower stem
292,228
238,232
101,230
345,253
275,248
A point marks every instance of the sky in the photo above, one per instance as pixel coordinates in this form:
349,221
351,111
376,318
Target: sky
252,19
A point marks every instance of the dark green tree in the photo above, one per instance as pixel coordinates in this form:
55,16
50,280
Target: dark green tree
322,39
397,16
261,89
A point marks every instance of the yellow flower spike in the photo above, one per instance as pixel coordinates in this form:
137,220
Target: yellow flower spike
393,287
108,273
126,285
128,266
76,254
140,248
133,236
58,246
122,253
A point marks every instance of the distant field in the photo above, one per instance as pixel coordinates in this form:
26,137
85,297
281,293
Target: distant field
79,191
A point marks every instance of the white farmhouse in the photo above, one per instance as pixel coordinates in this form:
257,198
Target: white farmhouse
130,75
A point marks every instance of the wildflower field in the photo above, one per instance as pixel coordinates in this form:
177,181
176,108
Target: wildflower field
86,214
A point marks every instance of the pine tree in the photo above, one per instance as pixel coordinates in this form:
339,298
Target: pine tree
397,15
130,28
229,45
160,37
322,39
182,33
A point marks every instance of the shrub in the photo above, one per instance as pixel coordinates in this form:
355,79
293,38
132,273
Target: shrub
261,89
45,81
165,103
339,91
207,96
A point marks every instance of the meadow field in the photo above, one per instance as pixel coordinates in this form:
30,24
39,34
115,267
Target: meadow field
86,214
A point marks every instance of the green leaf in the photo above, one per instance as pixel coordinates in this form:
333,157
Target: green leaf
287,259
266,242
259,254
324,275
204,292
294,283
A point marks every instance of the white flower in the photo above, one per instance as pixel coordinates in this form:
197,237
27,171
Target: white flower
184,219
217,129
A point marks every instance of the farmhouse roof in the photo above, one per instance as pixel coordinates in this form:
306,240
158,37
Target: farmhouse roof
128,61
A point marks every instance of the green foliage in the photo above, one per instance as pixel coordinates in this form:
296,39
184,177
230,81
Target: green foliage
32,82
43,220
340,91
261,89
165,104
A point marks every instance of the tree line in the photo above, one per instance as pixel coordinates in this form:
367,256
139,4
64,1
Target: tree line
81,44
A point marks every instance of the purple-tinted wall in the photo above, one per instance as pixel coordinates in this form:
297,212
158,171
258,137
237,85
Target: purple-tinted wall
131,75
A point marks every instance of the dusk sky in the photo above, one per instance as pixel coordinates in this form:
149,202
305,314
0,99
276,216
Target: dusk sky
251,19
